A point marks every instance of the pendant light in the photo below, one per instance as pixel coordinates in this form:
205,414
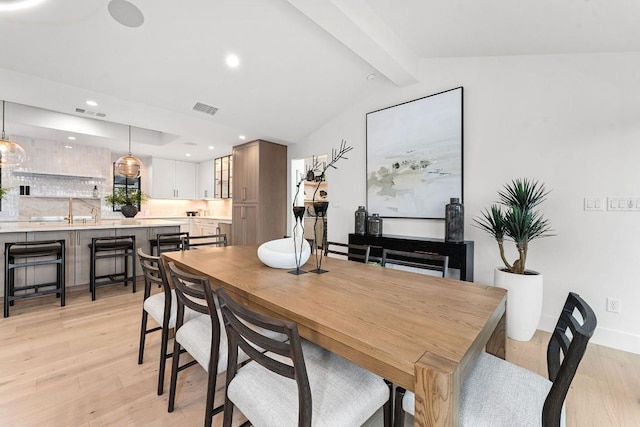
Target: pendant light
11,154
129,166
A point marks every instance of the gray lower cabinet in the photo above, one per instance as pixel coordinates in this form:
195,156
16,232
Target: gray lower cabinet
78,253
8,238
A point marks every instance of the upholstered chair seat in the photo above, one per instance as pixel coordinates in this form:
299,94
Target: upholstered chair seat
337,391
498,393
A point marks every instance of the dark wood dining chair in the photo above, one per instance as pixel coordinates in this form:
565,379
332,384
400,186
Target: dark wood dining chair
498,393
327,389
199,336
162,308
348,251
206,240
420,260
164,242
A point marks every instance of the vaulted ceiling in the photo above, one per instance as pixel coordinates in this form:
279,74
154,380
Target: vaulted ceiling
301,61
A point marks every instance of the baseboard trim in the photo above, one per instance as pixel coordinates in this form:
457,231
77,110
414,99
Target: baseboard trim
602,336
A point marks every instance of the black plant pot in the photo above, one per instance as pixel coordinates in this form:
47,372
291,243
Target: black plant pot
129,211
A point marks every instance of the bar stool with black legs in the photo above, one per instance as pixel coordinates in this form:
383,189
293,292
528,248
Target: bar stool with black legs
165,242
28,254
113,247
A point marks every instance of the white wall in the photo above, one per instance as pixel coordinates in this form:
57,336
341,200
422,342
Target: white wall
571,121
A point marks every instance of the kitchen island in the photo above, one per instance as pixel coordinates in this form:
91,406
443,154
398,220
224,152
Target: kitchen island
77,237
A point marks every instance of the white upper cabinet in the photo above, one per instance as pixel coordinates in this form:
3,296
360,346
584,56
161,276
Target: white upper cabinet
205,180
172,179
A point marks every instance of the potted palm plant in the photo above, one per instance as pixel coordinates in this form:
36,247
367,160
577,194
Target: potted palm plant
516,218
127,200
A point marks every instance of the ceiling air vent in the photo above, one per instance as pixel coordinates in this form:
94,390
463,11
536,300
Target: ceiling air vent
80,110
204,108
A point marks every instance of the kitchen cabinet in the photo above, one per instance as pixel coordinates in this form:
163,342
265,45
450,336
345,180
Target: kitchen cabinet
223,177
259,206
78,253
172,179
206,180
143,235
205,226
77,256
245,225
19,272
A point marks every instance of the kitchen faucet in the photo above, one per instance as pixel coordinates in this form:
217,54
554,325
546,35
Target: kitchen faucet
69,218
95,213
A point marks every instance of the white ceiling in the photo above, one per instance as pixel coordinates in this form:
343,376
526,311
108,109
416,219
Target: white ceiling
302,61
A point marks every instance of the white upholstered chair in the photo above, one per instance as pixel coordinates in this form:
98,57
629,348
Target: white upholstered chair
162,308
348,251
200,336
294,383
415,261
497,393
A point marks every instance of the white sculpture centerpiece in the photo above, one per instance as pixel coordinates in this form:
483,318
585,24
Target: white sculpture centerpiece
281,253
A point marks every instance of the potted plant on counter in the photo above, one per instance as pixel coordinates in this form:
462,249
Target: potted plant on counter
515,218
127,200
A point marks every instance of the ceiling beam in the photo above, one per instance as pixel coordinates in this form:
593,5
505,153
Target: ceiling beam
354,24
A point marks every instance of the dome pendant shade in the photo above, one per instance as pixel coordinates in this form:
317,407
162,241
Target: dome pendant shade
11,154
129,166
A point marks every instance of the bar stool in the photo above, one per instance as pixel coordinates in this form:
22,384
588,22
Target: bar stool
112,247
165,242
27,254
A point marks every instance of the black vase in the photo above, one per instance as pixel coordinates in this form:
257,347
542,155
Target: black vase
129,211
454,221
361,221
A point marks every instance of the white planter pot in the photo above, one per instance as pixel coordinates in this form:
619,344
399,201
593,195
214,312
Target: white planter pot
524,302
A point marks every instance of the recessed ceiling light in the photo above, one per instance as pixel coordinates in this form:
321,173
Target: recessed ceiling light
211,147
242,137
18,4
371,76
188,155
73,138
91,103
68,146
233,61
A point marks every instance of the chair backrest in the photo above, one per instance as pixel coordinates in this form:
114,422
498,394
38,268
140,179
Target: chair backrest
566,347
238,322
422,260
154,274
350,251
171,241
206,240
194,292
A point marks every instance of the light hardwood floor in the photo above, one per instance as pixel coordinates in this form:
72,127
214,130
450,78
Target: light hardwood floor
77,366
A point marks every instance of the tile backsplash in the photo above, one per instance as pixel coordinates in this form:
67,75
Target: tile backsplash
55,173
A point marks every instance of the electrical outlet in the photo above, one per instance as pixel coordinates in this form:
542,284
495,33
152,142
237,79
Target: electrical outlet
613,305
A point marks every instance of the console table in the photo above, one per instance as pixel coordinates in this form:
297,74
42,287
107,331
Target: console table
460,254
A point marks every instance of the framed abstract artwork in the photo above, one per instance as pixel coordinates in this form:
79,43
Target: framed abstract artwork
414,156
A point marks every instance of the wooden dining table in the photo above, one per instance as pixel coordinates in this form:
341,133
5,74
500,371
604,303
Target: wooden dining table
420,332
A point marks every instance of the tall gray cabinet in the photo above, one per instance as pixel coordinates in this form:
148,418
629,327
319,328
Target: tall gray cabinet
259,206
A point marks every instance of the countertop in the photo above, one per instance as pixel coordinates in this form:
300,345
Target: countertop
181,217
26,227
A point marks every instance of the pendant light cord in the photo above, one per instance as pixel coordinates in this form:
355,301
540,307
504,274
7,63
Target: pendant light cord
129,137
3,120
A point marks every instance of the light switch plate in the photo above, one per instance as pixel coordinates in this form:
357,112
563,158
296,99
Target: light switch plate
594,204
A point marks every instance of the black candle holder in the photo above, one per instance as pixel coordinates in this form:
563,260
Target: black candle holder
298,230
320,212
